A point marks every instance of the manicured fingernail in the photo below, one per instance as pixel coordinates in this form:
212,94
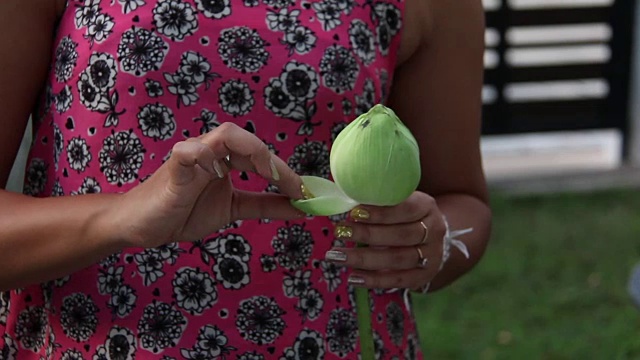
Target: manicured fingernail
359,214
274,171
355,280
343,231
334,255
306,193
218,169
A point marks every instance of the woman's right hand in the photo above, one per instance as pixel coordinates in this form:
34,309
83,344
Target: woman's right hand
191,195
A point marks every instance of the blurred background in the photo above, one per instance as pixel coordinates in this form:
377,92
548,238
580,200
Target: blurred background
561,150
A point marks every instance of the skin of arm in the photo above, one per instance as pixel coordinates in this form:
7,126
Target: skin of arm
437,93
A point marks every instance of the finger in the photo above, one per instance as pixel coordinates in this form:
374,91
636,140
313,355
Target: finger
398,279
288,181
416,207
249,205
187,157
370,258
229,139
409,234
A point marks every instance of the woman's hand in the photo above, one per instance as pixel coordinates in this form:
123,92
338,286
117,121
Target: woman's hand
191,196
405,244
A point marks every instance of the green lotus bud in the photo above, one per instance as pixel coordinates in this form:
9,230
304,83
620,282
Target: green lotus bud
374,160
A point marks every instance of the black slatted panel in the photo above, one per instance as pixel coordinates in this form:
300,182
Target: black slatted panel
605,77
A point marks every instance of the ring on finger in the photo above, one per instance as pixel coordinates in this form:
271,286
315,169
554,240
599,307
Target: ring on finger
422,261
426,233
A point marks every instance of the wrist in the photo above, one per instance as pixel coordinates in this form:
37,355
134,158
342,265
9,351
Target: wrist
105,226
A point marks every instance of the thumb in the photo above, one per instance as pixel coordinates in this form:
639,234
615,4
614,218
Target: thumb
250,205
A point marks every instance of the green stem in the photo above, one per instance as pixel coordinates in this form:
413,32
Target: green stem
363,312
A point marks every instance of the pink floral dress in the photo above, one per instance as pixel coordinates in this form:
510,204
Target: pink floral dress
130,78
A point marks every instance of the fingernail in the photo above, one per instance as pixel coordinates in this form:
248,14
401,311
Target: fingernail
218,169
343,231
274,171
306,194
359,214
355,280
334,255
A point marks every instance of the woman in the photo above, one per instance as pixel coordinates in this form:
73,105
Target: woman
175,128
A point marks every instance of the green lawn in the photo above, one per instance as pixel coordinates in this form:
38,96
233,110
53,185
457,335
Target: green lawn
552,284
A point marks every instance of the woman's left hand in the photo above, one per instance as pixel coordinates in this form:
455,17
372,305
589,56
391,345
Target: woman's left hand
405,244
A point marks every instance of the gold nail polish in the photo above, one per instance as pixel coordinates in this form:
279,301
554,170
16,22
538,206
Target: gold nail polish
306,193
274,171
359,214
335,255
343,231
355,280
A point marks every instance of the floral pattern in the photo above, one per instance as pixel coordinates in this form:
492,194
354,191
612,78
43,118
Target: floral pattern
130,78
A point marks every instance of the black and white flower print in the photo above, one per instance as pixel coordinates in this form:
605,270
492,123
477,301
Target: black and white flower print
58,144
293,246
342,332
78,154
90,185
268,263
300,40
86,12
277,4
120,344
395,322
121,157
156,121
36,177
389,15
130,5
214,342
366,100
242,49
339,69
154,88
282,20
183,86
232,245
194,290
328,13
141,51
78,317
149,264
5,301
362,41
95,84
160,327
57,189
296,284
214,9
65,59
253,355
175,19
232,272
209,121
309,345
347,107
123,300
336,129
9,349
310,304
289,354
235,97
101,353
198,68
169,253
311,158
63,99
259,320
110,280
31,328
99,28
110,260
411,351
72,354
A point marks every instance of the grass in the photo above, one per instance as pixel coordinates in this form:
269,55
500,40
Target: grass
552,284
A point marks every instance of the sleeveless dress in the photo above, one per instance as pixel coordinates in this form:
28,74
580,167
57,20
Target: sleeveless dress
129,79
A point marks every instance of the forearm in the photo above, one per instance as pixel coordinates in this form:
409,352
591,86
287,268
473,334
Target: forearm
44,239
462,212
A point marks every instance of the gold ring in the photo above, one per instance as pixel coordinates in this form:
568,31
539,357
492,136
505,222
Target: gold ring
426,233
422,261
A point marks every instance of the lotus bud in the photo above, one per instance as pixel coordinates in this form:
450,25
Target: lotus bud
374,160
